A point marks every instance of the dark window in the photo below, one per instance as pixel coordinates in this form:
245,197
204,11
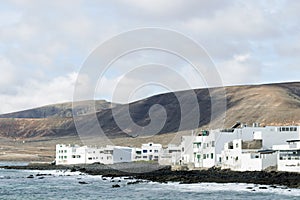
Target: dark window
144,151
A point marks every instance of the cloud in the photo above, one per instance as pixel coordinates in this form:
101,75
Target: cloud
44,43
35,93
241,69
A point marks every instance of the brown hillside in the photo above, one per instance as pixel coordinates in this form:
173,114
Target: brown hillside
272,104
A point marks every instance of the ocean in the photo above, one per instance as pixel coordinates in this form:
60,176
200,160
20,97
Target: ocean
52,184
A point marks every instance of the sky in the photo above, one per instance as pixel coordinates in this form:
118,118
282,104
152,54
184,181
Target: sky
43,45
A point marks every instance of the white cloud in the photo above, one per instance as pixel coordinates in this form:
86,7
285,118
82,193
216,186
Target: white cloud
42,43
241,69
7,73
35,93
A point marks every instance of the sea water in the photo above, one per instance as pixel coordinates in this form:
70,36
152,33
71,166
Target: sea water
15,184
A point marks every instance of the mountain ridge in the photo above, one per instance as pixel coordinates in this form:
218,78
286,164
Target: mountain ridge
269,104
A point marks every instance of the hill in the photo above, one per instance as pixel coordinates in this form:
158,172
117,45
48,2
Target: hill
269,104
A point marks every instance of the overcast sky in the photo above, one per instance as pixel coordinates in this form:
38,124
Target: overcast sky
43,44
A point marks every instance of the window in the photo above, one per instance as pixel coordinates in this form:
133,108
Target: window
150,150
90,158
65,157
73,156
144,156
226,157
204,156
150,145
212,156
213,143
155,151
236,158
144,151
237,145
78,156
65,151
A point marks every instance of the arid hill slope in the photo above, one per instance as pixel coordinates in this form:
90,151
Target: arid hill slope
272,104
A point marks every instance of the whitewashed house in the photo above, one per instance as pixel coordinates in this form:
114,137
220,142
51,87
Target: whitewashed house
187,153
204,149
137,154
75,154
151,151
288,156
170,156
239,155
276,135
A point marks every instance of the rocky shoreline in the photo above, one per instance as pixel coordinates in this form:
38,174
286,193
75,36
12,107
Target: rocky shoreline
163,174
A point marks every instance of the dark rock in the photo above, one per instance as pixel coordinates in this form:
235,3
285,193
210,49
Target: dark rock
73,170
116,186
262,187
82,182
128,178
30,176
134,182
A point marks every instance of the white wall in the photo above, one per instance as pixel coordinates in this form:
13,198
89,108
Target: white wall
239,159
151,151
122,154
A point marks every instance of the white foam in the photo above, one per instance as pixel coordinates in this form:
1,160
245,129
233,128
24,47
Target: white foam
237,187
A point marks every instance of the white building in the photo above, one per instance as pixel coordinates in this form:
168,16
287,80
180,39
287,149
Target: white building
204,149
137,154
187,153
239,155
74,154
170,156
288,156
151,151
276,135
